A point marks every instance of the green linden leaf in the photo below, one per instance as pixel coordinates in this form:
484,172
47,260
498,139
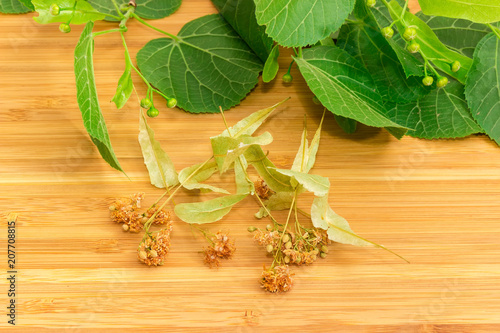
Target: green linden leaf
278,201
271,67
15,6
479,11
80,12
147,9
240,14
124,88
313,183
87,97
203,174
441,114
243,186
347,124
364,41
430,45
207,211
459,35
482,88
208,67
160,167
301,23
343,86
267,170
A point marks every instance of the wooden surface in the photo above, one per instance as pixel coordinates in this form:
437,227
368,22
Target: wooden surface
434,202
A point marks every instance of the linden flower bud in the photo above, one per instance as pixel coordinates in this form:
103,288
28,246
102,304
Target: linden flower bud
286,238
251,229
269,248
288,245
455,67
287,78
414,47
153,112
112,208
323,255
125,227
371,3
153,253
287,259
324,249
54,9
269,227
171,102
428,81
410,34
146,103
442,81
387,32
143,255
64,28
144,219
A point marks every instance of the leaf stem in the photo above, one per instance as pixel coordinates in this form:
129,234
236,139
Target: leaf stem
99,33
117,10
495,30
174,37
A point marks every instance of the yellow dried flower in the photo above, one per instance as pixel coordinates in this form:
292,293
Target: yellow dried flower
153,250
262,190
278,279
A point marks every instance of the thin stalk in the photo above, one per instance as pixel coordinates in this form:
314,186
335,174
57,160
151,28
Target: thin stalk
117,10
495,30
174,37
99,33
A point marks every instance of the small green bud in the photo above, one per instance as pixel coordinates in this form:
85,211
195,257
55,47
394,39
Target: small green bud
269,248
388,32
286,238
64,28
287,259
455,66
251,229
442,81
287,78
324,249
316,100
410,34
428,81
414,47
171,102
323,255
269,227
153,112
54,10
298,259
146,103
371,3
288,245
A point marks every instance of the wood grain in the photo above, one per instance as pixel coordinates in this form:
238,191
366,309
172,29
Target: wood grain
434,202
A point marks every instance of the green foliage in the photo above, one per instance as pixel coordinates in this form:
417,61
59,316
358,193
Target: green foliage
430,45
124,88
207,211
271,66
240,14
208,66
76,12
160,167
87,97
343,85
15,6
147,9
480,11
482,88
203,174
441,114
348,125
301,23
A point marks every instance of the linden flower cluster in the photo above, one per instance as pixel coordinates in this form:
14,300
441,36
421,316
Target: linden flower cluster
221,247
277,279
126,211
154,248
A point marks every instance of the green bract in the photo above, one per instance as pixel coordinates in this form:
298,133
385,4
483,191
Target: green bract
207,211
207,67
343,85
481,11
271,66
87,97
482,88
301,23
148,9
78,12
124,88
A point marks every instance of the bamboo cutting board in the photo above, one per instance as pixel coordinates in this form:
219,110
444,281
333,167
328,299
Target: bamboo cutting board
434,202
